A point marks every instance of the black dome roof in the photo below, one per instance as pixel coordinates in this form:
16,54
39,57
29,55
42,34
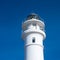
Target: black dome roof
33,15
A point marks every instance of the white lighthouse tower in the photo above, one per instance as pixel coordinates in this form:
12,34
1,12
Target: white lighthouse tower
33,35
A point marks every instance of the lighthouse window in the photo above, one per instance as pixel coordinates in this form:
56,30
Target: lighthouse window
33,40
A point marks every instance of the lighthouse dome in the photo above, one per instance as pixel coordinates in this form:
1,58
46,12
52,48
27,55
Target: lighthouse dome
33,16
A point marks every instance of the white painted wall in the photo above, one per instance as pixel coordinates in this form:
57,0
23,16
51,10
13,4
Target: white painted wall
34,51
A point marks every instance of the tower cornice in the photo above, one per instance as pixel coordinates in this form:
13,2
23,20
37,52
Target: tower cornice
29,31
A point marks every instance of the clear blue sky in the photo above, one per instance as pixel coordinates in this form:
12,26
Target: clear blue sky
14,12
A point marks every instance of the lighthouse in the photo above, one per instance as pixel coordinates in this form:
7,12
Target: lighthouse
33,35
